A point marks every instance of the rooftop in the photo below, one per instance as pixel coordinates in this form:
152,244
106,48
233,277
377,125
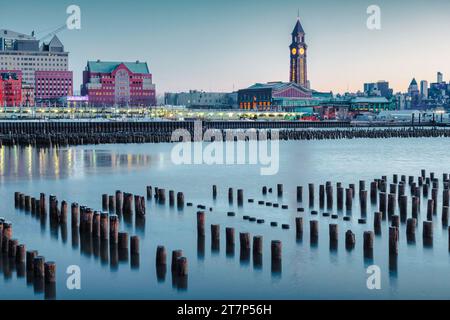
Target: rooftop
109,66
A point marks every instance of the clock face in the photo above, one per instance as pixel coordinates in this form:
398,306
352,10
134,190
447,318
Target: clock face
294,51
302,51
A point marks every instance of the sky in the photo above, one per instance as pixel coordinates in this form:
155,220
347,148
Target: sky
225,45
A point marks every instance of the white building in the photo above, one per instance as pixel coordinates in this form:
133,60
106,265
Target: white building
23,52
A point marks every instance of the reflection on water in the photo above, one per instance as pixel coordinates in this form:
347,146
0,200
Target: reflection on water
312,266
28,163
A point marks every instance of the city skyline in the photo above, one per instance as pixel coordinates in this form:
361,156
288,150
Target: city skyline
217,46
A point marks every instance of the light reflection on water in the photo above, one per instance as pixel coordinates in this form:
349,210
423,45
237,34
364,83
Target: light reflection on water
309,270
27,163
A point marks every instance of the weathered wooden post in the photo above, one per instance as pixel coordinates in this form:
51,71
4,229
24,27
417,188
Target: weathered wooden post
180,200
75,215
444,216
340,198
334,235
114,229
240,197
329,191
230,195
134,245
321,196
403,207
415,207
314,230
105,202
428,232
201,223
119,202
391,204
393,240
276,254
363,201
215,237
149,193
38,267
368,237
311,194
50,272
377,217
430,209
279,190
411,228
112,204
348,199
373,192
299,194
350,240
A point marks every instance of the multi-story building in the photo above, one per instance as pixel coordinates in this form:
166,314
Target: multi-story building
23,52
380,89
118,83
28,96
53,85
202,100
424,89
275,96
10,88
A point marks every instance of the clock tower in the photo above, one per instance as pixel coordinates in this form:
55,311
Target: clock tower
298,48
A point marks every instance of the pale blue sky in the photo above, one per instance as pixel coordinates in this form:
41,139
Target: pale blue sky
221,45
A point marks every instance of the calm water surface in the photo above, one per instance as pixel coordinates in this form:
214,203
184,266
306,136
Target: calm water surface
82,174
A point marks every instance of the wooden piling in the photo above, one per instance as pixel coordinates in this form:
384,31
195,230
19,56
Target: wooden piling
38,267
50,272
134,245
114,229
393,240
161,256
350,240
201,223
299,194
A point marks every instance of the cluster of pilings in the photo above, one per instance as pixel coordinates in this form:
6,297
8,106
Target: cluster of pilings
14,256
122,203
159,194
178,267
391,199
246,247
97,233
42,134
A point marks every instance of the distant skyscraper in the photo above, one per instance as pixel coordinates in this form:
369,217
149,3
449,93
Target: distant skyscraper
298,70
380,88
413,93
439,77
424,89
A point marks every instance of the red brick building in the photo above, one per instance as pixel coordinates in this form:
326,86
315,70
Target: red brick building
118,84
52,85
10,88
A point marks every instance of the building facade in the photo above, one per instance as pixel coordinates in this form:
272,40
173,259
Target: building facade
118,84
298,71
23,52
275,96
53,85
202,100
378,89
10,88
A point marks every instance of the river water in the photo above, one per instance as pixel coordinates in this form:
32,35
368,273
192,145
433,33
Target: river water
82,174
